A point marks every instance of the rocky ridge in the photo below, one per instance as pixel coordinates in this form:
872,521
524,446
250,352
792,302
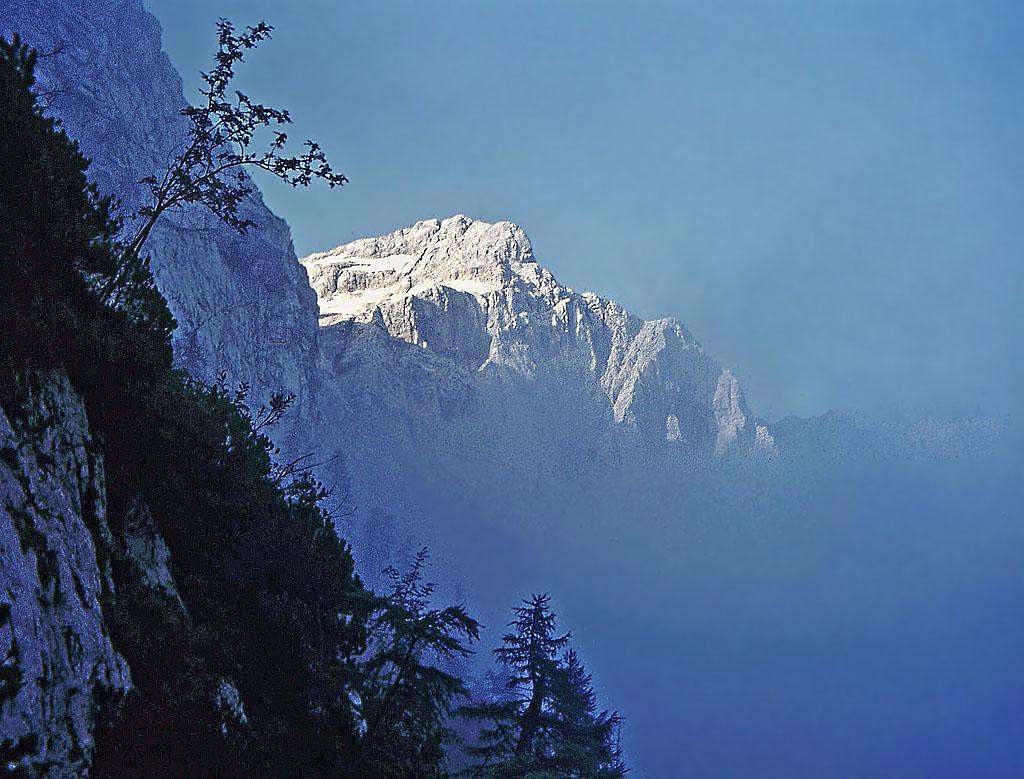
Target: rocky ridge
473,294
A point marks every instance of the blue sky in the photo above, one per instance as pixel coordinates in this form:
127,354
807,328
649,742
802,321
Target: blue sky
828,194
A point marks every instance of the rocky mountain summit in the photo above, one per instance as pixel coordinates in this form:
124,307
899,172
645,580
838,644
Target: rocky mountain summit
472,294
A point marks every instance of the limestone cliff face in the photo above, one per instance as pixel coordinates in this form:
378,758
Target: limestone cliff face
67,565
243,303
58,669
461,379
473,295
243,306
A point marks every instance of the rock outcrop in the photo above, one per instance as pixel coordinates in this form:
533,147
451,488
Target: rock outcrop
244,307
59,671
460,379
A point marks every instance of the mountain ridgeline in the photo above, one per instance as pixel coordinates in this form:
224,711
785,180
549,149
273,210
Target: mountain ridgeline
473,296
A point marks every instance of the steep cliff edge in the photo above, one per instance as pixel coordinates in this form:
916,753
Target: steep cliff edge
64,574
152,552
242,302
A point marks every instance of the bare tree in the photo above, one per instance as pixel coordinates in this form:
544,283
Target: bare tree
222,143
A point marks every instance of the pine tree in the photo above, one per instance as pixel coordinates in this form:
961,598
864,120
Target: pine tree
547,725
587,742
531,651
407,690
517,737
57,232
58,238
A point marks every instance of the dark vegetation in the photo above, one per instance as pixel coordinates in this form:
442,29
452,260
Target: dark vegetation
547,724
333,679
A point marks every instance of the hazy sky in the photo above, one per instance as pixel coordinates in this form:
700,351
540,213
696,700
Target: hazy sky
828,194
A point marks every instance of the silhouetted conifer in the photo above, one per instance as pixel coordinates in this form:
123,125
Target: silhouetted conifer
547,725
406,694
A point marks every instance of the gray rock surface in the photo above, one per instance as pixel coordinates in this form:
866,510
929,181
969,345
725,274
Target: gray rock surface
473,295
243,304
460,379
58,663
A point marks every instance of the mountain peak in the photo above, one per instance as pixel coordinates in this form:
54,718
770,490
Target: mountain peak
472,293
459,253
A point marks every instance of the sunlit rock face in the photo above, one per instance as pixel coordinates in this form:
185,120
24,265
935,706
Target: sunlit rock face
497,344
462,383
59,672
473,295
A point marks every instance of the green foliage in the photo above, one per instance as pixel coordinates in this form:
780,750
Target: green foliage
55,230
406,696
588,740
273,602
547,725
57,243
